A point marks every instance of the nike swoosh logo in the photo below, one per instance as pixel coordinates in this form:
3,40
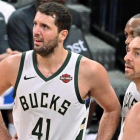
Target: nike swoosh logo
27,78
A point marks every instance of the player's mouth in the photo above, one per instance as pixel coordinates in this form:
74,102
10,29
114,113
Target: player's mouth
128,67
37,41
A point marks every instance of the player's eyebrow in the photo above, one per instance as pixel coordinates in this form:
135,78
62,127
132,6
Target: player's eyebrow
137,48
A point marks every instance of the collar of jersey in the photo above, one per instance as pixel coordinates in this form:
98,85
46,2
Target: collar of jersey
56,73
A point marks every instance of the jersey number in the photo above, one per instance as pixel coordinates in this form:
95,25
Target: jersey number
38,129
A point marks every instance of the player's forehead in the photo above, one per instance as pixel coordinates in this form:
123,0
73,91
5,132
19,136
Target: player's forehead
135,43
42,18
132,24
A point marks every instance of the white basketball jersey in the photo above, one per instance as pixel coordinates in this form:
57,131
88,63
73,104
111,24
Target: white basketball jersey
131,97
49,108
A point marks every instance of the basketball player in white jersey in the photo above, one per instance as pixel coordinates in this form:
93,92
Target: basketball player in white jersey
132,71
132,95
52,84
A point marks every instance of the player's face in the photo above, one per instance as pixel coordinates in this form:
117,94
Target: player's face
132,29
132,60
45,34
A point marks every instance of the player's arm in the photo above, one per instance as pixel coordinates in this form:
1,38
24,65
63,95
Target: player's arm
132,124
4,134
8,74
103,93
15,137
3,56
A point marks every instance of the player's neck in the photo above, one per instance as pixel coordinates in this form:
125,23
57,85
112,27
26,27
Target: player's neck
49,65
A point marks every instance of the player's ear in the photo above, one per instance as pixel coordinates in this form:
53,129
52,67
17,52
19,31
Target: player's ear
63,34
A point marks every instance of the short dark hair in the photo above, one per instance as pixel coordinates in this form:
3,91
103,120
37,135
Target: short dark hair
63,16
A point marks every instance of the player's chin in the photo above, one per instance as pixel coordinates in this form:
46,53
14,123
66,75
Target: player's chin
129,76
36,46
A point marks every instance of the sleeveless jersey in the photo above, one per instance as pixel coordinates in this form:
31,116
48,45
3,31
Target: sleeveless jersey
49,108
131,97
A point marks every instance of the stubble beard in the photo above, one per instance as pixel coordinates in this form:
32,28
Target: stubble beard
48,49
132,77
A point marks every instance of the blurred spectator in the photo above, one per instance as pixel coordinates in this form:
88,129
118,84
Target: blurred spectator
21,23
5,12
6,9
5,51
3,35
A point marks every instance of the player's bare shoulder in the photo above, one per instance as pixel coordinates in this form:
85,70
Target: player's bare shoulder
90,67
92,72
10,66
12,61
